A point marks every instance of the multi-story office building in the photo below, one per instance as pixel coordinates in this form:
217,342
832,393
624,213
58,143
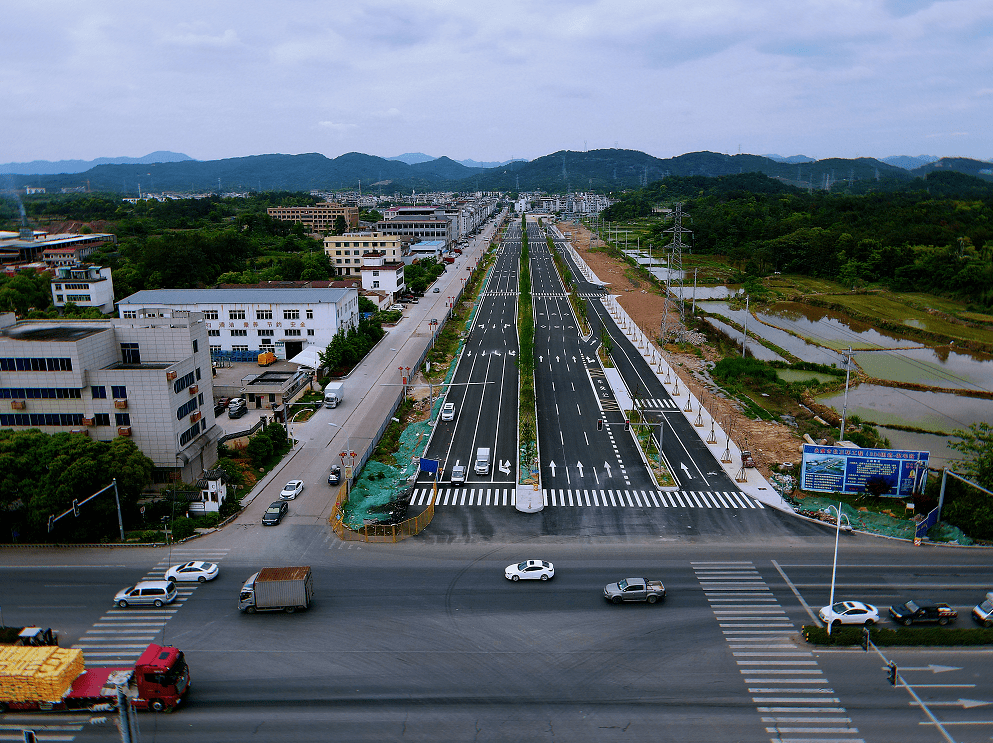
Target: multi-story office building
346,251
147,378
418,223
84,286
317,218
281,321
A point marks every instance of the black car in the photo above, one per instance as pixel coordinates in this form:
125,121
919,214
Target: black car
918,610
218,409
274,513
238,411
334,476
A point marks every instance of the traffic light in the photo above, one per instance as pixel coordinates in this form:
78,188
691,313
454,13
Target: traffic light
627,425
599,424
891,673
75,508
865,639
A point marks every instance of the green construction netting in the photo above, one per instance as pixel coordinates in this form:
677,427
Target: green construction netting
381,490
880,523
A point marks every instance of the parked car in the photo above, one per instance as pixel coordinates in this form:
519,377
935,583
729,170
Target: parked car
200,572
291,490
530,570
218,409
448,411
396,308
334,476
920,610
458,473
274,513
849,612
983,612
436,290
223,401
147,593
237,411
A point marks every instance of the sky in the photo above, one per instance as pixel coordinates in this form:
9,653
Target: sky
496,80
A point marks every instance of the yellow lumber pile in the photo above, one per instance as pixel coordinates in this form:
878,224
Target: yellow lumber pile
38,674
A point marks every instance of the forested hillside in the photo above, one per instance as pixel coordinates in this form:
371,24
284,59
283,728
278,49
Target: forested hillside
933,234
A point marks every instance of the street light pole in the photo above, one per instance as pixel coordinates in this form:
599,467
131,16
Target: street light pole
834,568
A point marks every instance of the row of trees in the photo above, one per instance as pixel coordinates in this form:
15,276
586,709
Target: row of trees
938,238
349,348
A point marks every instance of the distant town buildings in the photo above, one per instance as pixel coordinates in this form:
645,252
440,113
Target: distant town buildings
318,218
346,251
59,249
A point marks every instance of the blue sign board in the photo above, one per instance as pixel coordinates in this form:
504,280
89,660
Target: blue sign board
843,469
429,465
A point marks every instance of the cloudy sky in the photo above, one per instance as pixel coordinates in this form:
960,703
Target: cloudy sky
496,80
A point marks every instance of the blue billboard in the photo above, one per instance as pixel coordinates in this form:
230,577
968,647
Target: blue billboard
843,469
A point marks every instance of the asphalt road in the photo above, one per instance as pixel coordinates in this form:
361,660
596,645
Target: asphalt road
417,641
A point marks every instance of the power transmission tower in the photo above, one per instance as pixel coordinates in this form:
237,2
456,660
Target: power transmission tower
674,279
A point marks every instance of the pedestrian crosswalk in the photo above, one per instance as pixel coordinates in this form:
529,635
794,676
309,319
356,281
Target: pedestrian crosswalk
655,403
49,727
120,635
583,498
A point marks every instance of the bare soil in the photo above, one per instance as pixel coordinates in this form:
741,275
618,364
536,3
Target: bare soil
769,443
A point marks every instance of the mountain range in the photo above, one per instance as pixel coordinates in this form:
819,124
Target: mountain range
415,158
43,167
599,170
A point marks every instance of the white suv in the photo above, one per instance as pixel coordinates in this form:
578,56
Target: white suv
448,411
147,593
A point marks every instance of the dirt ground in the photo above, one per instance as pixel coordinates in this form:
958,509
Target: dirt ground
770,443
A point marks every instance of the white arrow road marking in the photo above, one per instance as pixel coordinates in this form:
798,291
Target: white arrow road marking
963,703
556,359
505,467
511,353
933,668
606,466
540,359
552,466
579,466
686,470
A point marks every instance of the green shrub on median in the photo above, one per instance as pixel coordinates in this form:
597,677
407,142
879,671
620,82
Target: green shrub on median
905,636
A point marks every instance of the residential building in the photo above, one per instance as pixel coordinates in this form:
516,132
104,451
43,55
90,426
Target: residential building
84,286
346,251
147,378
318,218
379,275
418,223
243,322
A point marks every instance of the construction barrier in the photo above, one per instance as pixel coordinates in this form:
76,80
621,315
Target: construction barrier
377,532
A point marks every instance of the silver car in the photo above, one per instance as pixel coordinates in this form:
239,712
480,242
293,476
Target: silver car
147,593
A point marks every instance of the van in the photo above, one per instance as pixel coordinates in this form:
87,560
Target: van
482,466
147,593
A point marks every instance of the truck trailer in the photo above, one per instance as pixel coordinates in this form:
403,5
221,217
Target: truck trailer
56,679
277,589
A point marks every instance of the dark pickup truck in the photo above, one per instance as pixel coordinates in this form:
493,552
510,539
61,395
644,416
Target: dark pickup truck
634,589
918,610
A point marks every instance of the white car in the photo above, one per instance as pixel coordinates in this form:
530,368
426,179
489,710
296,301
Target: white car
448,411
849,612
292,490
530,570
396,308
458,473
192,571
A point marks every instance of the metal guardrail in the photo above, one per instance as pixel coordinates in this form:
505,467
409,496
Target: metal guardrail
228,436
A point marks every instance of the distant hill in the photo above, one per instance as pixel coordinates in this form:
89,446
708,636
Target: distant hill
48,167
412,158
792,159
978,168
416,158
909,163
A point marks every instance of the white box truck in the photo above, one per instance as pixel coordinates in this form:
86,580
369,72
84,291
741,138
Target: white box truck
482,466
334,393
277,589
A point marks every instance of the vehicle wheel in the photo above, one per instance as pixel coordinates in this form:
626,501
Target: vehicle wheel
158,603
617,599
250,610
652,599
3,707
943,621
835,625
290,609
123,604
515,578
869,622
544,577
201,579
156,705
905,622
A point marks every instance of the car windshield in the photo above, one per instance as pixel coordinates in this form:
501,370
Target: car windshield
522,565
912,606
622,584
986,606
839,608
273,509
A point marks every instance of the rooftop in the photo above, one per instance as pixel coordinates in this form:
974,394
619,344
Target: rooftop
254,295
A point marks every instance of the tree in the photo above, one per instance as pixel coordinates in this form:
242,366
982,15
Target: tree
977,445
340,226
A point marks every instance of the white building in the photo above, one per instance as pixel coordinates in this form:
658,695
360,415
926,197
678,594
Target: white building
380,275
147,378
255,320
84,286
346,251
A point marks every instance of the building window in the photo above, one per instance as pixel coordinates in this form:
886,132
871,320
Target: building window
183,382
122,419
213,333
375,284
310,314
195,345
238,333
129,314
291,314
236,314
263,314
77,298
190,433
98,393
239,348
119,391
35,364
292,332
267,332
101,419
185,409
310,331
209,314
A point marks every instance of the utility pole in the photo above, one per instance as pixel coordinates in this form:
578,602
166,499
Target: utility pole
744,336
848,373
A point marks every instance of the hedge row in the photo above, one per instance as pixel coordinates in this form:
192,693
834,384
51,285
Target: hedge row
913,636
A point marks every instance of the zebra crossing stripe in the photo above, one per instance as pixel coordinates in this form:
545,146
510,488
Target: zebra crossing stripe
568,497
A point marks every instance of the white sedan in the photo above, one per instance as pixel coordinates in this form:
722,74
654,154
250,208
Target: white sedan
192,571
448,411
849,612
530,570
292,490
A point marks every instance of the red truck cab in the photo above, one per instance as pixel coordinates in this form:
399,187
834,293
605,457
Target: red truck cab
162,678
